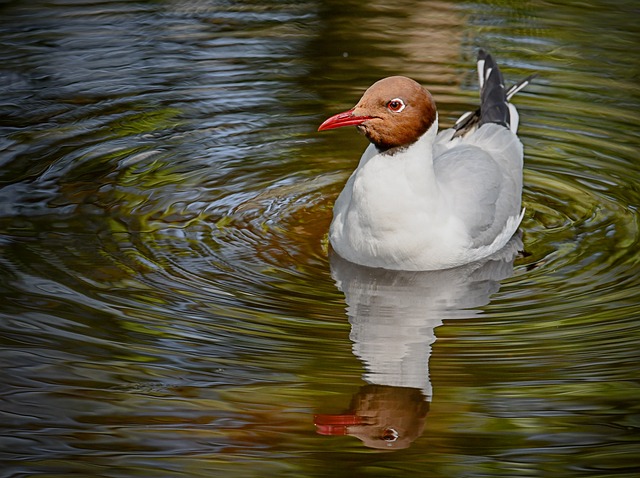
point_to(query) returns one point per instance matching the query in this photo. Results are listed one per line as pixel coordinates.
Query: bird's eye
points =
(390, 435)
(396, 105)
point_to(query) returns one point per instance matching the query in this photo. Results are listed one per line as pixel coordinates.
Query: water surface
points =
(170, 308)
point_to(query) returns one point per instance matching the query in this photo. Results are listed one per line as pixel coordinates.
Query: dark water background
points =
(167, 304)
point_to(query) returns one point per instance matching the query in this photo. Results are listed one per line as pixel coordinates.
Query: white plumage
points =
(432, 201)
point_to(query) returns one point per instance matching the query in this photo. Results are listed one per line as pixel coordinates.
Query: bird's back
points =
(479, 162)
(481, 177)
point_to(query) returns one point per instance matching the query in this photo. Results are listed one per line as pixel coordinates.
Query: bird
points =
(420, 199)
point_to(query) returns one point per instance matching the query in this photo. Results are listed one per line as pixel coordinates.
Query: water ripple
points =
(168, 295)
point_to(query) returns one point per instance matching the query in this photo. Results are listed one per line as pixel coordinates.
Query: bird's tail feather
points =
(494, 99)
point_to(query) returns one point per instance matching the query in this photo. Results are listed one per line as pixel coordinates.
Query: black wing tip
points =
(487, 58)
(522, 84)
(494, 98)
(494, 106)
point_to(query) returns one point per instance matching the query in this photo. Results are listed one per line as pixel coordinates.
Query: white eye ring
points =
(390, 435)
(396, 105)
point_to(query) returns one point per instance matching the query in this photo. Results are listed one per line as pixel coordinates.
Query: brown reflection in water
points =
(383, 417)
(421, 41)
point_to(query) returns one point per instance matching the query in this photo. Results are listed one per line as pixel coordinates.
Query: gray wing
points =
(479, 162)
(481, 174)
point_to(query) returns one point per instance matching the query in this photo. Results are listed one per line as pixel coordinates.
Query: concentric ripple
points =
(169, 302)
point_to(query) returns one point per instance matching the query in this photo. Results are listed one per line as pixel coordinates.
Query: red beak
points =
(343, 119)
(335, 424)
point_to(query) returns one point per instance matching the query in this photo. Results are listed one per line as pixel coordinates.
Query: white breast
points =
(396, 213)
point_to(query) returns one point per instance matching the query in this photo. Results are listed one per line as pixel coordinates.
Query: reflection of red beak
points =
(343, 119)
(335, 424)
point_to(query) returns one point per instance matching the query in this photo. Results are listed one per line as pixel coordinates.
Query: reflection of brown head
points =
(383, 417)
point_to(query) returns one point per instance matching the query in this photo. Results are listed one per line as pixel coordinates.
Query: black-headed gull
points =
(423, 200)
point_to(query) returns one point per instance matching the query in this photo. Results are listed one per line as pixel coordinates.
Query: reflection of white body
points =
(393, 314)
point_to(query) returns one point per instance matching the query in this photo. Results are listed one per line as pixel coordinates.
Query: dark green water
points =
(167, 304)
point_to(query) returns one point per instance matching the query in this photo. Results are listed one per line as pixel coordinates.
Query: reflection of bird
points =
(419, 200)
(393, 315)
(382, 417)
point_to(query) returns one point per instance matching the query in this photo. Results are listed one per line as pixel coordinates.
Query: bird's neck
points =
(416, 159)
(422, 144)
(408, 171)
(421, 150)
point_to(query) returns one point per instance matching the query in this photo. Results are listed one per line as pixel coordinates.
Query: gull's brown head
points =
(393, 113)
